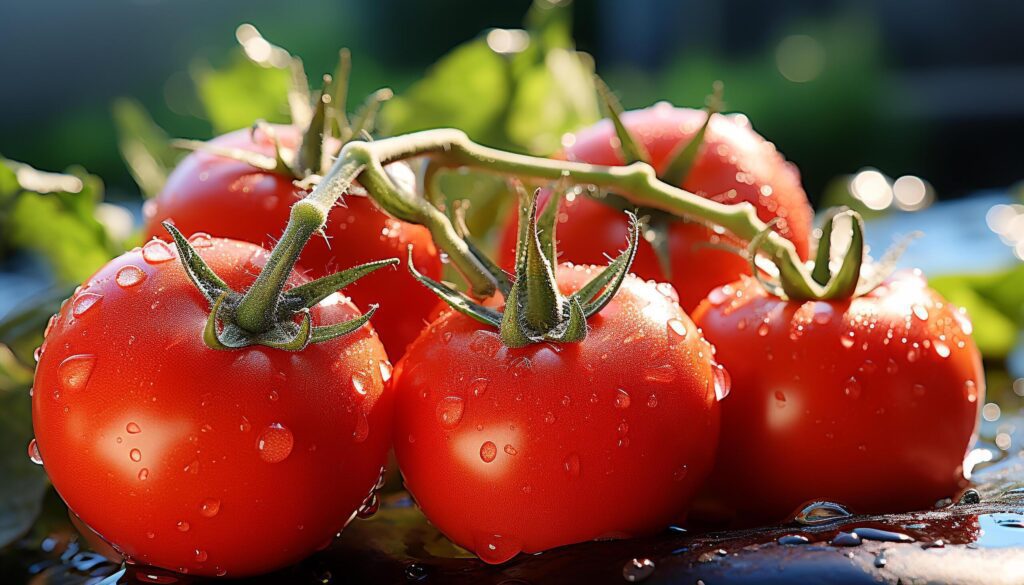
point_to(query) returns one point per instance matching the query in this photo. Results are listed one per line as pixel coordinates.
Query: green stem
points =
(452, 148)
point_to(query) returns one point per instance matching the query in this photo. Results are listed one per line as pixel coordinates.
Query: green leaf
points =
(235, 96)
(22, 484)
(989, 302)
(144, 146)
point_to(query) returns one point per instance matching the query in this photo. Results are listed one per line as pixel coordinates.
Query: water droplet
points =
(852, 388)
(275, 443)
(663, 373)
(33, 452)
(156, 251)
(488, 451)
(637, 570)
(143, 474)
(495, 549)
(129, 276)
(245, 426)
(478, 387)
(273, 396)
(941, 349)
(415, 572)
(965, 322)
(450, 410)
(369, 506)
(971, 390)
(621, 399)
(867, 533)
(822, 313)
(891, 367)
(791, 539)
(721, 381)
(763, 328)
(209, 508)
(74, 372)
(201, 240)
(681, 472)
(913, 353)
(780, 398)
(510, 450)
(719, 296)
(572, 464)
(192, 467)
(652, 400)
(846, 539)
(920, 312)
(385, 370)
(135, 455)
(183, 526)
(359, 383)
(847, 340)
(970, 496)
(133, 428)
(820, 513)
(485, 342)
(549, 417)
(201, 556)
(362, 430)
(676, 330)
(84, 302)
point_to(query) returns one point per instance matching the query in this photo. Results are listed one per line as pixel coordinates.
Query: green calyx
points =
(839, 271)
(680, 163)
(535, 308)
(285, 321)
(324, 118)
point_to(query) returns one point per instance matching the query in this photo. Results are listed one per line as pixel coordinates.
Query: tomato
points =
(197, 460)
(871, 402)
(521, 450)
(229, 198)
(734, 164)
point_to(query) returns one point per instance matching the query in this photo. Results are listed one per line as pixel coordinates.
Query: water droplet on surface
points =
(876, 534)
(201, 240)
(135, 455)
(129, 276)
(74, 372)
(791, 539)
(360, 383)
(846, 539)
(369, 506)
(572, 464)
(386, 370)
(33, 452)
(763, 328)
(820, 513)
(275, 443)
(156, 252)
(891, 367)
(852, 388)
(495, 549)
(681, 472)
(510, 450)
(485, 342)
(245, 426)
(676, 331)
(362, 430)
(183, 526)
(652, 400)
(971, 390)
(920, 312)
(478, 387)
(721, 381)
(450, 410)
(209, 508)
(847, 340)
(663, 373)
(201, 556)
(133, 428)
(488, 451)
(84, 302)
(637, 570)
(941, 349)
(621, 399)
(415, 572)
(971, 496)
(143, 474)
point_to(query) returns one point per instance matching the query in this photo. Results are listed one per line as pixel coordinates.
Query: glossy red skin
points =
(578, 465)
(228, 198)
(731, 151)
(879, 426)
(200, 414)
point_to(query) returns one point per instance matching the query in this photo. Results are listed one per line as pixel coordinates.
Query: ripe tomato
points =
(870, 402)
(197, 460)
(521, 450)
(229, 198)
(735, 164)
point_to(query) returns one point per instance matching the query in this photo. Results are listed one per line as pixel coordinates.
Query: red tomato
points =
(197, 460)
(521, 450)
(229, 198)
(870, 402)
(735, 164)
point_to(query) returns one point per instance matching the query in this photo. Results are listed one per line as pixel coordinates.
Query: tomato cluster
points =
(575, 405)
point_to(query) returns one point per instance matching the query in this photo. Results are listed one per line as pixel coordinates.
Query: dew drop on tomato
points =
(275, 443)
(495, 549)
(84, 302)
(362, 429)
(852, 388)
(941, 349)
(721, 380)
(449, 411)
(143, 474)
(660, 373)
(135, 455)
(488, 451)
(622, 400)
(385, 370)
(183, 526)
(572, 464)
(201, 240)
(129, 276)
(157, 252)
(676, 331)
(359, 383)
(201, 556)
(209, 508)
(74, 372)
(33, 452)
(133, 428)
(478, 387)
(971, 389)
